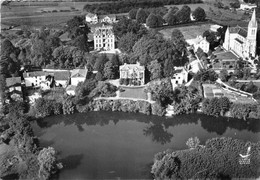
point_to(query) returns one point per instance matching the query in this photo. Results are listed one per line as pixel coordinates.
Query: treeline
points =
(218, 159)
(220, 106)
(28, 160)
(126, 6)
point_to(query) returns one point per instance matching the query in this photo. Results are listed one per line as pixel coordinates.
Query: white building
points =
(91, 18)
(215, 27)
(180, 77)
(78, 75)
(199, 42)
(242, 41)
(104, 38)
(34, 79)
(245, 6)
(133, 72)
(107, 18)
(70, 90)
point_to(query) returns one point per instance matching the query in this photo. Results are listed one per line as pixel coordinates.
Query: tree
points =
(199, 14)
(2, 88)
(127, 41)
(168, 69)
(179, 41)
(170, 17)
(78, 31)
(183, 14)
(210, 37)
(223, 75)
(141, 16)
(193, 142)
(152, 21)
(47, 162)
(155, 69)
(125, 25)
(109, 70)
(132, 13)
(224, 105)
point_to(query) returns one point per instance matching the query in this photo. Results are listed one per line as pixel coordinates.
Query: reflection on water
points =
(111, 145)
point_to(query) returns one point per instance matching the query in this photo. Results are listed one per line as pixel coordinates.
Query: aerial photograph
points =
(129, 89)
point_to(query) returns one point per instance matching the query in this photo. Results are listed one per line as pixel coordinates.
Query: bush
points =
(158, 110)
(68, 105)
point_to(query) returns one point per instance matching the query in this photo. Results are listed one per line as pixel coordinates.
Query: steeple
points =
(253, 21)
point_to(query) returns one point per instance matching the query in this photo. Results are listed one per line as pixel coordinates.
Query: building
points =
(91, 18)
(104, 38)
(200, 42)
(215, 27)
(180, 77)
(61, 78)
(247, 6)
(34, 79)
(242, 41)
(133, 72)
(78, 75)
(70, 90)
(108, 18)
(14, 88)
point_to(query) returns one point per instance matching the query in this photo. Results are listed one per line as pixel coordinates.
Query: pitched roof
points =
(103, 29)
(131, 67)
(110, 16)
(79, 73)
(33, 74)
(71, 88)
(239, 30)
(61, 75)
(13, 81)
(90, 15)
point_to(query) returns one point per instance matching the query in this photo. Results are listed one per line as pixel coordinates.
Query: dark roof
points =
(238, 40)
(33, 74)
(61, 75)
(241, 31)
(13, 81)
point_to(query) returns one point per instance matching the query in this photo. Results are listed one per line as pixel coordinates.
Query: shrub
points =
(158, 110)
(68, 105)
(43, 107)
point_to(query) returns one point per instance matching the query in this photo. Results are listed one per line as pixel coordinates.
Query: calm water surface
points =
(115, 145)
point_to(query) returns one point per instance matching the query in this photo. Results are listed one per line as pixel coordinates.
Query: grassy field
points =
(189, 32)
(133, 92)
(40, 13)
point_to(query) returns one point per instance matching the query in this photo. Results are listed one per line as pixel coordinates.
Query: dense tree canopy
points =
(154, 21)
(127, 41)
(199, 14)
(141, 15)
(183, 14)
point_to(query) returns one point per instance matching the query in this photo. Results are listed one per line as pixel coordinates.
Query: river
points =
(116, 145)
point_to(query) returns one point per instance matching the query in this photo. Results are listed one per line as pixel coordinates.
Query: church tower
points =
(250, 48)
(226, 43)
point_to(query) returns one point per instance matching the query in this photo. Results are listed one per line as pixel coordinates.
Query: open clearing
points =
(189, 32)
(133, 92)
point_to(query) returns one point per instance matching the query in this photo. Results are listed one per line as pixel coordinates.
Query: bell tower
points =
(251, 36)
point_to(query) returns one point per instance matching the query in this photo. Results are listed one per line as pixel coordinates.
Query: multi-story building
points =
(104, 38)
(242, 41)
(133, 72)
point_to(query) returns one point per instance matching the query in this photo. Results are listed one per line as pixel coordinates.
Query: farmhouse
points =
(91, 18)
(104, 38)
(14, 88)
(242, 41)
(133, 72)
(34, 79)
(199, 42)
(180, 77)
(78, 75)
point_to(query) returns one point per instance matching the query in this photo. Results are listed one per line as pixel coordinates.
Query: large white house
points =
(78, 75)
(199, 42)
(242, 41)
(133, 72)
(245, 6)
(180, 77)
(104, 38)
(108, 18)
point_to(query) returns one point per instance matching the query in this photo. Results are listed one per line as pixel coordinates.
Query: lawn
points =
(189, 32)
(133, 92)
